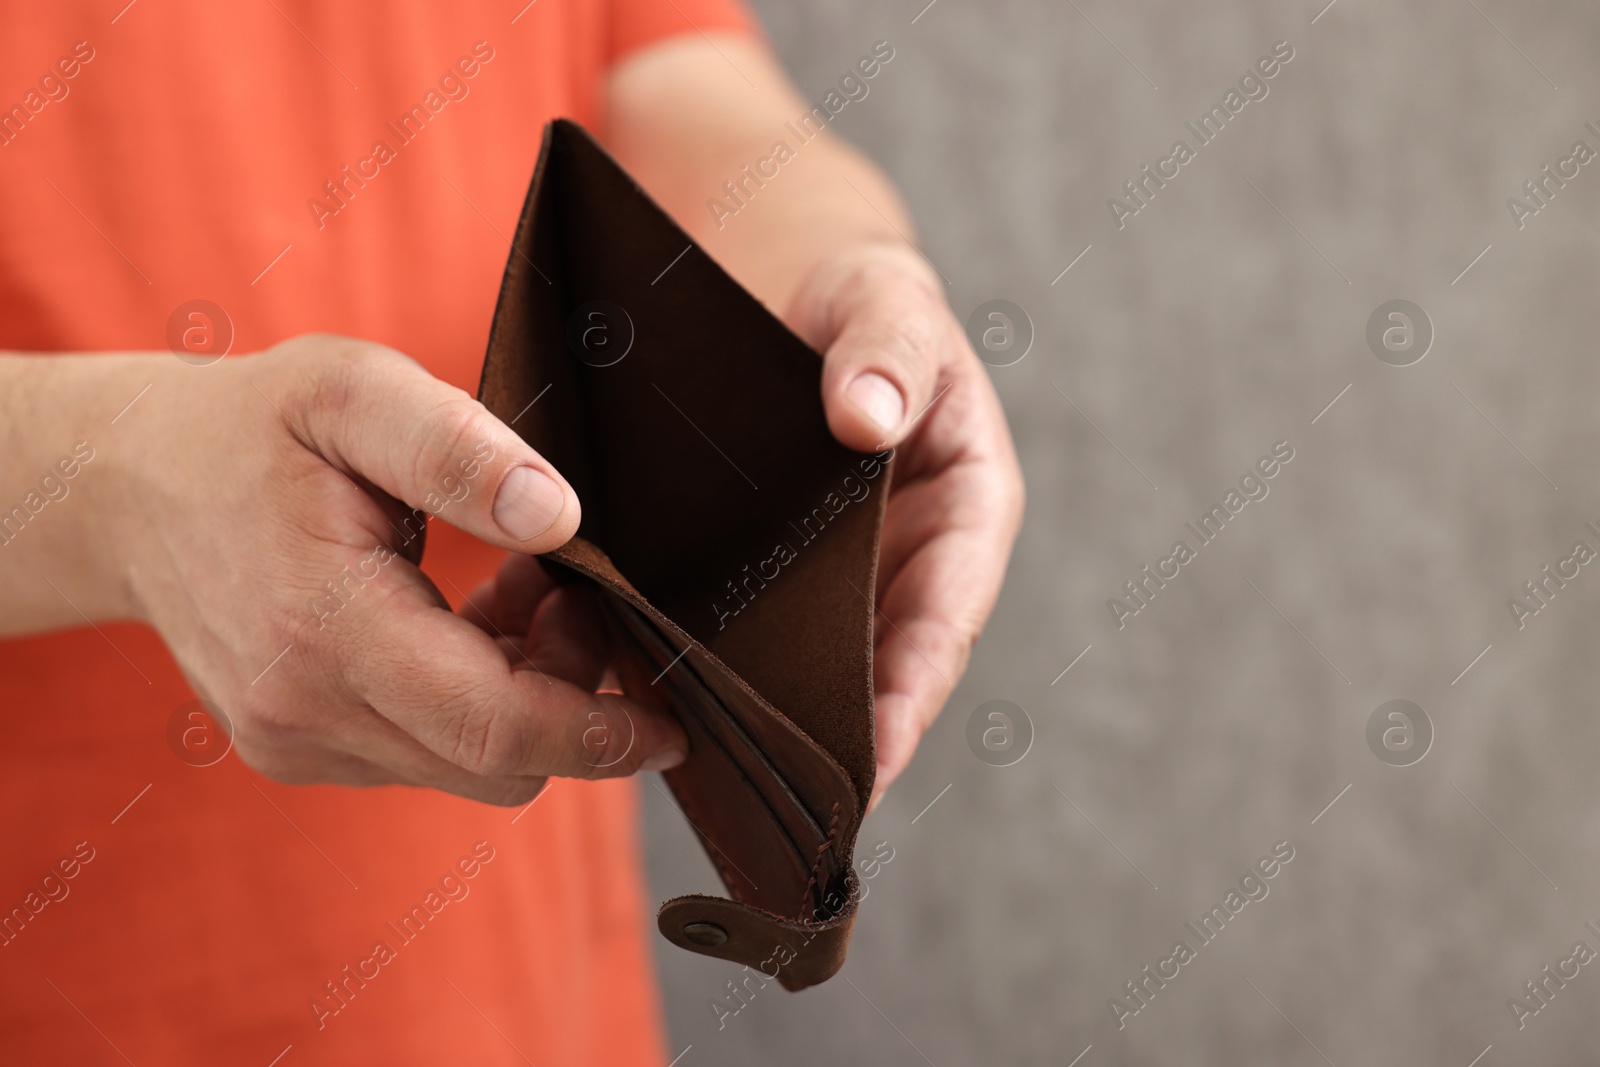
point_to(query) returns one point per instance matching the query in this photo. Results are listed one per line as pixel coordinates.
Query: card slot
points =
(788, 816)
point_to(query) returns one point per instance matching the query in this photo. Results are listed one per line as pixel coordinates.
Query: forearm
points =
(684, 120)
(58, 452)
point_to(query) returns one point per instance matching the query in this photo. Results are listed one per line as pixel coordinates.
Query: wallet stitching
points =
(822, 849)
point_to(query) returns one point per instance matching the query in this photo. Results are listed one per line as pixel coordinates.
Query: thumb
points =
(375, 412)
(878, 318)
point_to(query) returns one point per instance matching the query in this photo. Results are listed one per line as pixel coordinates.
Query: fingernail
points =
(664, 760)
(529, 503)
(878, 398)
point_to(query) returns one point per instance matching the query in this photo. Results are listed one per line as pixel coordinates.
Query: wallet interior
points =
(734, 541)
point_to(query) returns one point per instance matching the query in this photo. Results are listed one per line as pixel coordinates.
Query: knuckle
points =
(906, 335)
(890, 270)
(447, 438)
(276, 729)
(898, 348)
(484, 743)
(337, 370)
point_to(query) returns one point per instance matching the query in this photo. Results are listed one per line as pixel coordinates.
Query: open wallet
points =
(734, 542)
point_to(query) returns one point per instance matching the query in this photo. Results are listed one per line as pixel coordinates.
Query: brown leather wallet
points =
(733, 540)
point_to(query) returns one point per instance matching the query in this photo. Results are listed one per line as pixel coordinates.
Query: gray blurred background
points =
(1225, 718)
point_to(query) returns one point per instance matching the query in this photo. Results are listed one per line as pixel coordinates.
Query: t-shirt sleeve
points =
(638, 23)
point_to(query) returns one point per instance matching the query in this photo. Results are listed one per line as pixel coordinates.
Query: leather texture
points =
(733, 540)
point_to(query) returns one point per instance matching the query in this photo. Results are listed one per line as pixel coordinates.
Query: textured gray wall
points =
(1225, 718)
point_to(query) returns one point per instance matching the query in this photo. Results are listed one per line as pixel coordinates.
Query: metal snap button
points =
(707, 934)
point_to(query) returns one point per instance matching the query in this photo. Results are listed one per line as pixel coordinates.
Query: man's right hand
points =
(234, 495)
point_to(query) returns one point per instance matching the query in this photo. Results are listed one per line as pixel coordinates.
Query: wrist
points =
(60, 562)
(119, 455)
(160, 421)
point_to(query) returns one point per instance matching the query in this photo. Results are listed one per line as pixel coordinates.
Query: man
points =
(339, 183)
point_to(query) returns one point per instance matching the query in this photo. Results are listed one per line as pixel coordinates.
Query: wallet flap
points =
(797, 953)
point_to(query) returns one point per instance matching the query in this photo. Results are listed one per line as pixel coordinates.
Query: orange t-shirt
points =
(168, 151)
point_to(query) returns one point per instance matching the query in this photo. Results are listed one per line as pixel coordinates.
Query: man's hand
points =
(260, 513)
(898, 371)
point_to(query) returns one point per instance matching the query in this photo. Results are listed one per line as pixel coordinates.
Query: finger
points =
(931, 613)
(946, 542)
(478, 608)
(375, 752)
(915, 666)
(405, 761)
(567, 637)
(504, 606)
(535, 620)
(446, 683)
(374, 412)
(883, 331)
